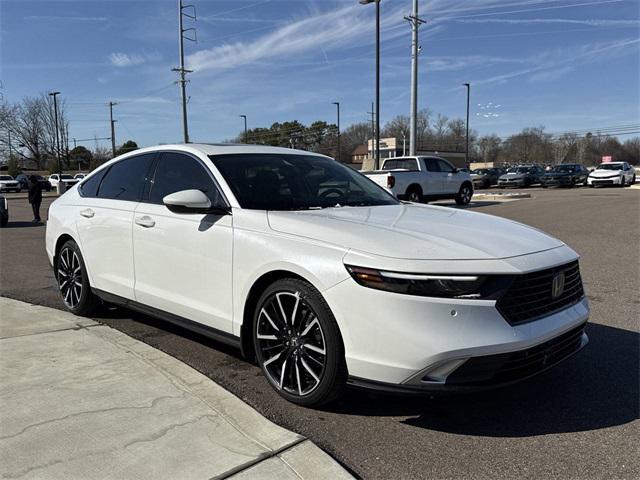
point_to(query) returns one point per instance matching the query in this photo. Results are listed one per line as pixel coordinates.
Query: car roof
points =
(223, 149)
(612, 163)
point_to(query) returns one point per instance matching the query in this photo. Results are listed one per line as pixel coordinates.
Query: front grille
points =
(529, 297)
(509, 367)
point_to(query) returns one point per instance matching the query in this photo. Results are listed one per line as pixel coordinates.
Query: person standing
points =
(35, 197)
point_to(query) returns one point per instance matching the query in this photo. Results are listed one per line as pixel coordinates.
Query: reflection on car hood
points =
(605, 173)
(513, 176)
(415, 232)
(558, 174)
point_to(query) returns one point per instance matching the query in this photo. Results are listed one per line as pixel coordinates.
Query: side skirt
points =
(210, 332)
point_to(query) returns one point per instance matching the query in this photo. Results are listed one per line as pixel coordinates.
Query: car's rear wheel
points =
(298, 343)
(73, 281)
(414, 194)
(464, 194)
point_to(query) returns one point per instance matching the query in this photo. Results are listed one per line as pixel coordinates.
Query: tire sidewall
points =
(334, 377)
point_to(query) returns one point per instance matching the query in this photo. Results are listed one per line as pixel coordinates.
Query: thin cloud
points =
(324, 31)
(524, 21)
(59, 18)
(120, 59)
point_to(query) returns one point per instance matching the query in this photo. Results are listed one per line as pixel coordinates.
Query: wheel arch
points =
(251, 300)
(414, 186)
(60, 241)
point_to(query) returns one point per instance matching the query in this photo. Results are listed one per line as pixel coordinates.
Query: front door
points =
(183, 260)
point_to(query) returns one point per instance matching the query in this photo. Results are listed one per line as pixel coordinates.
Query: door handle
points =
(87, 212)
(145, 221)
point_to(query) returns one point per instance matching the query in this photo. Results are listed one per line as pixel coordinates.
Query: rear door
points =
(451, 179)
(431, 178)
(104, 223)
(183, 260)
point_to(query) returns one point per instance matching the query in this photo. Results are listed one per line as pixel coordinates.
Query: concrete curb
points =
(500, 196)
(82, 400)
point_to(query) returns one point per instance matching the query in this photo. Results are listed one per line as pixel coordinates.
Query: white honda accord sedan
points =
(316, 272)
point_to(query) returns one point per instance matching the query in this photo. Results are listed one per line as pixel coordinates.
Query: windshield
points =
(610, 166)
(6, 177)
(480, 171)
(66, 177)
(297, 182)
(564, 168)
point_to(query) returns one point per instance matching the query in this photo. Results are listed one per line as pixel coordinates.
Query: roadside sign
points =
(607, 158)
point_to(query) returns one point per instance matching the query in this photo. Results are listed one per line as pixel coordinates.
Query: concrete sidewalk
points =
(80, 400)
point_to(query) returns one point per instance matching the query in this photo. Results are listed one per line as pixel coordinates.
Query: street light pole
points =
(468, 85)
(55, 113)
(337, 104)
(377, 129)
(415, 22)
(246, 138)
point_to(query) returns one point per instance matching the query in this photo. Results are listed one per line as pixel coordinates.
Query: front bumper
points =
(512, 183)
(398, 342)
(595, 181)
(559, 181)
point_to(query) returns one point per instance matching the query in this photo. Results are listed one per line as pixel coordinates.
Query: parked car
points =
(68, 180)
(486, 177)
(612, 173)
(79, 176)
(318, 273)
(418, 179)
(567, 175)
(9, 184)
(24, 182)
(4, 212)
(521, 176)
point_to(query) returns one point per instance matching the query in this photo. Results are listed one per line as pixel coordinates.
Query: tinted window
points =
(125, 179)
(89, 188)
(176, 172)
(445, 166)
(432, 164)
(297, 182)
(409, 164)
(390, 165)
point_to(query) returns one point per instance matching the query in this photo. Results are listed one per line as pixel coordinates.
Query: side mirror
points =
(193, 201)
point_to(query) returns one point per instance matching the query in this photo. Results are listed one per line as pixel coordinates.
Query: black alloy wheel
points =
(73, 281)
(464, 194)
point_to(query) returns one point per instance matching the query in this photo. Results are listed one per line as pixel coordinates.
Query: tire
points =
(311, 343)
(414, 194)
(4, 220)
(464, 195)
(623, 182)
(73, 281)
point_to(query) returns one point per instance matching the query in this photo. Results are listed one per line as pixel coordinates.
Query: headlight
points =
(486, 287)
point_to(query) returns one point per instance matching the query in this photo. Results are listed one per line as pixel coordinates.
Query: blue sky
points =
(567, 65)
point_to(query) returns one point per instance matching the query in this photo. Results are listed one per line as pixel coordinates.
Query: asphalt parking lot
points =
(579, 420)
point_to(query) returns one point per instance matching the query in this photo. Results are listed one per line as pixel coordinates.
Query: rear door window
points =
(125, 179)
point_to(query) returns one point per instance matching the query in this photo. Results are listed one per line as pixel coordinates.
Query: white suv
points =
(319, 274)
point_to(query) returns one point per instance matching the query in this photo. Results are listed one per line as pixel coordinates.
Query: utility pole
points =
(377, 127)
(337, 104)
(55, 113)
(468, 85)
(415, 22)
(113, 128)
(181, 70)
(246, 137)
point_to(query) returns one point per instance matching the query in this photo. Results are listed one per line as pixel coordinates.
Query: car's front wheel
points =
(73, 281)
(298, 344)
(464, 194)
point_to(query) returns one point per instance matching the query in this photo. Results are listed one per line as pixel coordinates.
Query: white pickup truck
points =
(419, 179)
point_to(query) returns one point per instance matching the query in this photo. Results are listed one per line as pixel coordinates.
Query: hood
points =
(605, 173)
(513, 175)
(558, 174)
(415, 232)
